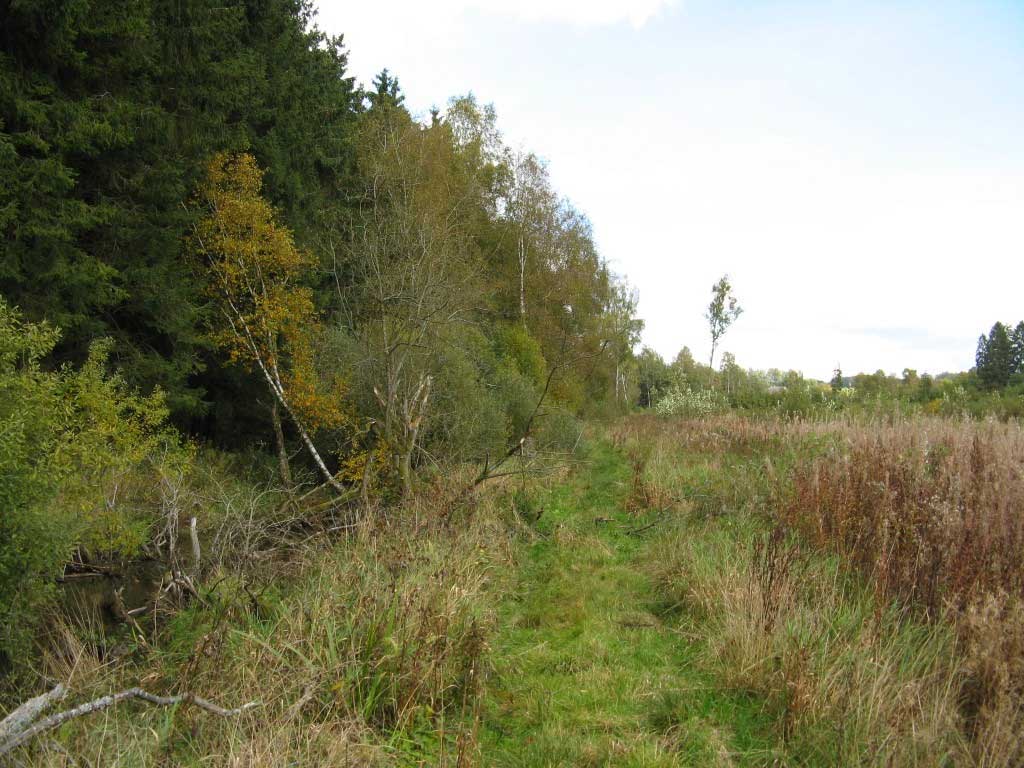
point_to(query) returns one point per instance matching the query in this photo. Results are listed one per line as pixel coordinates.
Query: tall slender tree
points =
(1018, 348)
(722, 313)
(266, 316)
(415, 274)
(995, 358)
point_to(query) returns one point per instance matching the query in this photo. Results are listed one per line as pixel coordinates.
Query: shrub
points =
(515, 343)
(72, 447)
(683, 401)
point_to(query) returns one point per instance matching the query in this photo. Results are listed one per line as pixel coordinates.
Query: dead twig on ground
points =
(23, 725)
(642, 528)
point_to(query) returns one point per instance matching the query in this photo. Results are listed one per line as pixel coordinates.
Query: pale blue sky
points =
(856, 167)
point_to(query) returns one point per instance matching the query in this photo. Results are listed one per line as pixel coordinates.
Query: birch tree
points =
(530, 207)
(722, 313)
(254, 274)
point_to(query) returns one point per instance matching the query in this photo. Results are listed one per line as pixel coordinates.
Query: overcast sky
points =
(856, 167)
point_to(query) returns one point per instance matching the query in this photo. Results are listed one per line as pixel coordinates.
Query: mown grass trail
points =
(587, 673)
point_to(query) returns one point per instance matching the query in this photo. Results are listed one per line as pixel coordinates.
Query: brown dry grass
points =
(366, 651)
(932, 512)
(929, 513)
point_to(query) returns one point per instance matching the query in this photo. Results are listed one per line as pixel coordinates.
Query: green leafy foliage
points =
(71, 447)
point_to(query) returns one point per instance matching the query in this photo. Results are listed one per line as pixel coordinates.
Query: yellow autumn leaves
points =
(256, 279)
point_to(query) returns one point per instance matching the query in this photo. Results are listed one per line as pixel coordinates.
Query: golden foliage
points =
(253, 264)
(255, 277)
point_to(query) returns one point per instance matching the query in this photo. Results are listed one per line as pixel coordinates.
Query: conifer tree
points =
(108, 111)
(386, 91)
(981, 358)
(995, 357)
(1018, 348)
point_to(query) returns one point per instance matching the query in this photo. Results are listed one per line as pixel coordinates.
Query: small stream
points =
(90, 595)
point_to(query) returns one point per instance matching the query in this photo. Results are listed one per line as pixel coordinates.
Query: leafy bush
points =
(516, 344)
(467, 417)
(71, 449)
(33, 538)
(558, 430)
(683, 401)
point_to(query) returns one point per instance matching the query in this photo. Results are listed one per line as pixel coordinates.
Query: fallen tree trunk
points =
(21, 726)
(22, 717)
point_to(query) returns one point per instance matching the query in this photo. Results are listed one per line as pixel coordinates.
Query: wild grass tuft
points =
(365, 651)
(873, 595)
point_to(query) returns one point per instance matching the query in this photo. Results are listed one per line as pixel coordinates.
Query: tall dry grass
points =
(841, 683)
(928, 512)
(363, 651)
(932, 512)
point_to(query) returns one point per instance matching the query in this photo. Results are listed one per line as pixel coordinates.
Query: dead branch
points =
(27, 713)
(196, 552)
(123, 614)
(489, 471)
(18, 728)
(642, 528)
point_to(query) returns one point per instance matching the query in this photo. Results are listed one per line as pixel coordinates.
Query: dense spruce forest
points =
(111, 115)
(326, 438)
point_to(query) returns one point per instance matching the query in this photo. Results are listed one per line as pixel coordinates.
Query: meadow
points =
(727, 590)
(328, 435)
(863, 575)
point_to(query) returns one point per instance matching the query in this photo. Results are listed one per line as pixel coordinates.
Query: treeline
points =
(110, 114)
(110, 111)
(686, 387)
(207, 225)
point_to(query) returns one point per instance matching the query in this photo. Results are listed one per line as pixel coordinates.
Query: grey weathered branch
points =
(20, 727)
(196, 551)
(27, 713)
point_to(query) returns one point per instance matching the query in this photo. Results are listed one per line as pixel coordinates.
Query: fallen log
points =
(21, 726)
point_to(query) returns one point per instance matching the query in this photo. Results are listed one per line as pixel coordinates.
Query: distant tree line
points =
(995, 386)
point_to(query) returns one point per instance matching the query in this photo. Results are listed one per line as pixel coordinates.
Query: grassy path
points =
(587, 672)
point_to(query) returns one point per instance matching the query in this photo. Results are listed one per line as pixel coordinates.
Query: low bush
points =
(687, 402)
(80, 460)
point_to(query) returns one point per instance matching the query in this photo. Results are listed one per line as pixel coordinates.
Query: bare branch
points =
(24, 715)
(26, 732)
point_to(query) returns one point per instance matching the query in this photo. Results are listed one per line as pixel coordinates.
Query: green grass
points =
(842, 678)
(591, 636)
(588, 669)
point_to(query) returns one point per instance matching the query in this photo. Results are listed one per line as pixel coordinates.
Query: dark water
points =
(91, 596)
